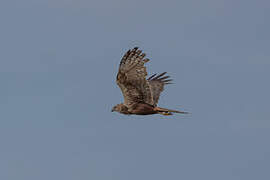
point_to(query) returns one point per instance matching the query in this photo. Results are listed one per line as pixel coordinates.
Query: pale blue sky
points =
(58, 63)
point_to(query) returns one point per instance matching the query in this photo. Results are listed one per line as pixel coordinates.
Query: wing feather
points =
(131, 78)
(157, 84)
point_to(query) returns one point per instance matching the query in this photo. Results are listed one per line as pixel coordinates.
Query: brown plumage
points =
(141, 95)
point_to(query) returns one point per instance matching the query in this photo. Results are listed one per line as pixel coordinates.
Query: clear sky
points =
(58, 63)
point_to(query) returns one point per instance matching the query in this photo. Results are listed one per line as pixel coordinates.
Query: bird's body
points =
(138, 108)
(141, 95)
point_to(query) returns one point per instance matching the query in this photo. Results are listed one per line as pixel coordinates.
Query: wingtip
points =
(152, 76)
(160, 75)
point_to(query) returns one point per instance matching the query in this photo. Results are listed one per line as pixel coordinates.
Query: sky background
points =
(58, 64)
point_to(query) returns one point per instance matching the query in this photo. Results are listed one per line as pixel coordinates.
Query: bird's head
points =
(121, 108)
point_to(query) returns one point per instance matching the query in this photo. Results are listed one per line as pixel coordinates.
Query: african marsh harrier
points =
(140, 94)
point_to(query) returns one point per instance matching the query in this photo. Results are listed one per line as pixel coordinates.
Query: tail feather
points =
(165, 111)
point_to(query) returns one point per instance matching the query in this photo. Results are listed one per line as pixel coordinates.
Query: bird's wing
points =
(157, 85)
(131, 78)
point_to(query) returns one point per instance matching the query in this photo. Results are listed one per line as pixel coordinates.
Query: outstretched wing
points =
(157, 85)
(131, 78)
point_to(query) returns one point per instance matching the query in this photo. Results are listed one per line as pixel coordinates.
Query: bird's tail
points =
(165, 111)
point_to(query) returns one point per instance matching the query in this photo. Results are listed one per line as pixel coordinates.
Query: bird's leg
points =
(165, 113)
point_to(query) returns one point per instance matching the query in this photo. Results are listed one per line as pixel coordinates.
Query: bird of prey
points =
(141, 95)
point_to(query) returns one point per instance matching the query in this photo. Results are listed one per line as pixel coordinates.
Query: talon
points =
(166, 113)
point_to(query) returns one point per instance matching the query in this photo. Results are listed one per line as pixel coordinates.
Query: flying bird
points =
(141, 95)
